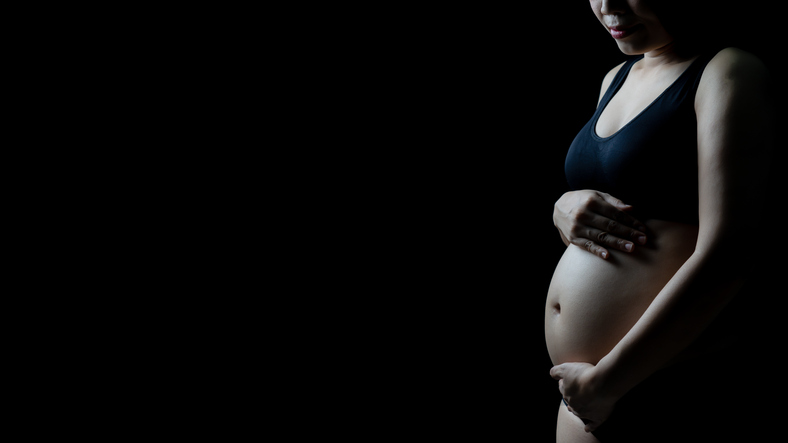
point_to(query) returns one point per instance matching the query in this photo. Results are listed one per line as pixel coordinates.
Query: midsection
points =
(592, 303)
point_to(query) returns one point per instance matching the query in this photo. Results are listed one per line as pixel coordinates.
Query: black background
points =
(513, 95)
(467, 116)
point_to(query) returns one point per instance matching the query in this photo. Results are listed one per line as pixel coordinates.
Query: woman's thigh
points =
(569, 428)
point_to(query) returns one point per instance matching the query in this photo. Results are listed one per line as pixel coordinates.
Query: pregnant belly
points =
(592, 303)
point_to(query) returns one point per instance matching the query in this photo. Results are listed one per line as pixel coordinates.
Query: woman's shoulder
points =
(732, 73)
(734, 64)
(609, 79)
(612, 73)
(735, 97)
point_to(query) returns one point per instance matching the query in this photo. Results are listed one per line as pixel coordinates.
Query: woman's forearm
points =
(679, 314)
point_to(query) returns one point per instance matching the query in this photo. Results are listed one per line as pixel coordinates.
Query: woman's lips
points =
(619, 32)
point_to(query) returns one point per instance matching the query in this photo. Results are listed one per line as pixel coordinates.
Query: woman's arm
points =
(734, 126)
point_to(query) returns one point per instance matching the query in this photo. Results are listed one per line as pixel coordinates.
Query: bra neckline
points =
(602, 107)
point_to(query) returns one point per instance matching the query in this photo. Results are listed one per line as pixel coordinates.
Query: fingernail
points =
(642, 239)
(604, 254)
(628, 246)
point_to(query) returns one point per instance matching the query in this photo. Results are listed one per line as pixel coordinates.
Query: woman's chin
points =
(630, 49)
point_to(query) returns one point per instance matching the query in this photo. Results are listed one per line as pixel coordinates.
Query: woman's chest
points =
(628, 103)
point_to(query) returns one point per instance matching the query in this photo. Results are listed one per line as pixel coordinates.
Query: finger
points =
(557, 372)
(627, 222)
(589, 425)
(590, 246)
(620, 222)
(610, 240)
(615, 231)
(614, 201)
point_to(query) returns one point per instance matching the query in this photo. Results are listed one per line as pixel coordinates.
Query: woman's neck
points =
(664, 56)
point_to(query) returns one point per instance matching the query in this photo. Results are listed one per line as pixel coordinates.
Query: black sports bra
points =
(652, 162)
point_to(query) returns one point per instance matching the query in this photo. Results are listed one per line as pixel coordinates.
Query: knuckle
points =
(576, 212)
(612, 225)
(587, 201)
(589, 245)
(602, 236)
(588, 198)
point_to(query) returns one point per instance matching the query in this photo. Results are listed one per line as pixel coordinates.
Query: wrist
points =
(608, 381)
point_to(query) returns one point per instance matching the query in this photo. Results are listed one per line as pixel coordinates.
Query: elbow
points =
(730, 257)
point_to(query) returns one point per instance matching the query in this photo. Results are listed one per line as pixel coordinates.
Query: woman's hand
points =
(592, 219)
(584, 393)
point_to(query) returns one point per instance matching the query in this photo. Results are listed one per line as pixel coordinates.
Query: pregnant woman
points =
(664, 175)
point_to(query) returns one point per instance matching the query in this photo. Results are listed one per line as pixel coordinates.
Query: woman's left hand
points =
(584, 392)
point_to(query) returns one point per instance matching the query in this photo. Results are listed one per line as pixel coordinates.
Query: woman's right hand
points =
(592, 219)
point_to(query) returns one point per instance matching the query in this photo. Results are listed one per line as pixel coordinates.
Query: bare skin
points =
(613, 319)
